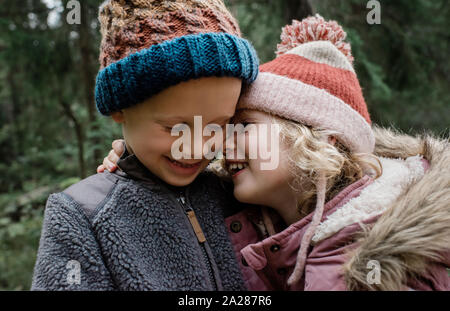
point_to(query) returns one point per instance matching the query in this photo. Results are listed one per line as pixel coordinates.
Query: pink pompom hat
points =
(312, 81)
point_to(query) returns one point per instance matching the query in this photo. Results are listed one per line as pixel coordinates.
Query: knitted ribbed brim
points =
(143, 74)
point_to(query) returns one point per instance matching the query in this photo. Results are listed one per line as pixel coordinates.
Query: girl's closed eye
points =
(244, 122)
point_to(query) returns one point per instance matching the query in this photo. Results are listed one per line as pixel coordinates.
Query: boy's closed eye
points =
(170, 127)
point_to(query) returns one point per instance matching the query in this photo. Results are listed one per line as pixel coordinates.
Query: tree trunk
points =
(11, 112)
(79, 135)
(296, 9)
(88, 76)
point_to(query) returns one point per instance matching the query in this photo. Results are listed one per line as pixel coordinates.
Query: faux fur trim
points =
(415, 229)
(398, 175)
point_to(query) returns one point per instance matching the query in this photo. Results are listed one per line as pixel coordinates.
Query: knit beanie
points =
(149, 45)
(312, 81)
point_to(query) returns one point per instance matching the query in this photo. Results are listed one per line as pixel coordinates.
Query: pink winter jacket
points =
(341, 257)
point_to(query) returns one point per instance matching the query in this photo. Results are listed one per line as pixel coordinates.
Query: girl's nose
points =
(236, 146)
(229, 145)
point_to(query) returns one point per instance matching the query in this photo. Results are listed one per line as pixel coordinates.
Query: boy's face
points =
(147, 126)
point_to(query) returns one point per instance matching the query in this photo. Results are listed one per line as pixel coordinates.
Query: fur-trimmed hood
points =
(415, 229)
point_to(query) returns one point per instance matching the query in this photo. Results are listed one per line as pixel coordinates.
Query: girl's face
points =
(252, 184)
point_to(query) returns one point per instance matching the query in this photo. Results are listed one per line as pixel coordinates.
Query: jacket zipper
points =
(189, 211)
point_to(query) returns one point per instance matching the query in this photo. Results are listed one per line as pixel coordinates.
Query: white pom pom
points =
(313, 28)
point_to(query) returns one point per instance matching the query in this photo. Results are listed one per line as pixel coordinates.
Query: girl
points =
(349, 207)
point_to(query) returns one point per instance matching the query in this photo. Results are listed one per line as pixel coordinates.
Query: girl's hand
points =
(110, 161)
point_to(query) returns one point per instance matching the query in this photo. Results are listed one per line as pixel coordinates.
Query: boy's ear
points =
(118, 116)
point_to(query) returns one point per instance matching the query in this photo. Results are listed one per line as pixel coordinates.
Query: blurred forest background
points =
(52, 136)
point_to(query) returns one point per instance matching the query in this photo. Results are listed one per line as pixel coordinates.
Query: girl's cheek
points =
(252, 144)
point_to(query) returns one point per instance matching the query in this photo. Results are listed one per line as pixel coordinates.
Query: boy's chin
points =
(179, 181)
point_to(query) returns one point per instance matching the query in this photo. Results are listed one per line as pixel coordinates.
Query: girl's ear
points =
(332, 140)
(118, 116)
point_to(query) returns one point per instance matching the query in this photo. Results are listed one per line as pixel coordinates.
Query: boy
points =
(157, 223)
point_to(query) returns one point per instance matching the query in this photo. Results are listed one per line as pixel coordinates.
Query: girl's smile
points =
(235, 168)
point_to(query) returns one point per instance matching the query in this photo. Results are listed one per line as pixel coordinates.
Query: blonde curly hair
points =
(310, 153)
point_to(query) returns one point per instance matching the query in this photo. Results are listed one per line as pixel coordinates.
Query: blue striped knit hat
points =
(150, 45)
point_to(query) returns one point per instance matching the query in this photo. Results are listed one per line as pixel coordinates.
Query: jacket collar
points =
(130, 166)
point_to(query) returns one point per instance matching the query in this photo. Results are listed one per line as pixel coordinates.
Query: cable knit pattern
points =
(136, 238)
(149, 45)
(130, 26)
(132, 38)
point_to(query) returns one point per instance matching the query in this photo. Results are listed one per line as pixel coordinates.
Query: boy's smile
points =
(147, 126)
(184, 168)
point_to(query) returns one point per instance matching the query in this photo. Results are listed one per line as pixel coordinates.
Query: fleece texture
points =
(127, 231)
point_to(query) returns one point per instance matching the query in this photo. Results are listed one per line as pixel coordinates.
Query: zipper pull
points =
(182, 200)
(196, 226)
(193, 220)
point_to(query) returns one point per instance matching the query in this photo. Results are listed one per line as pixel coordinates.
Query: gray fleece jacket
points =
(130, 231)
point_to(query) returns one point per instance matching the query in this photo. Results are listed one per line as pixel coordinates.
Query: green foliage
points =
(18, 245)
(20, 229)
(401, 63)
(260, 22)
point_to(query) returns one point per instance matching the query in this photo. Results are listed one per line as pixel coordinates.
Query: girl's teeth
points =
(237, 166)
